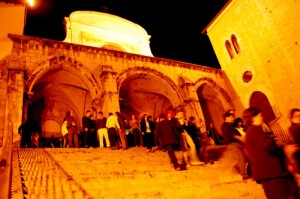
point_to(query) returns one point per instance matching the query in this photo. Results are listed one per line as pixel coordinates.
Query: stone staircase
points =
(61, 173)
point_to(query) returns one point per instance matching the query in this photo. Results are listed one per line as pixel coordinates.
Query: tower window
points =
(235, 44)
(229, 49)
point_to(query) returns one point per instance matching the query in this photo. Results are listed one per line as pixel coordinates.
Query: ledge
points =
(113, 53)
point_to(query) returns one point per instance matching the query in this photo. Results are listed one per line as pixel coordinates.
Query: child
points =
(35, 140)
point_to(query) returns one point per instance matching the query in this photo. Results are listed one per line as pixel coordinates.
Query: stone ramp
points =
(133, 173)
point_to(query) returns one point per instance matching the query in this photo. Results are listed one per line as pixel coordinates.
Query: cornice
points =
(94, 50)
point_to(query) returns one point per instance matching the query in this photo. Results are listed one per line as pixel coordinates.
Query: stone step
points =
(133, 173)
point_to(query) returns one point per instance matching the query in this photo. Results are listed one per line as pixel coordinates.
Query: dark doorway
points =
(211, 106)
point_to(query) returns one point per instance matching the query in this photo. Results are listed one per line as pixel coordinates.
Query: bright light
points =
(30, 2)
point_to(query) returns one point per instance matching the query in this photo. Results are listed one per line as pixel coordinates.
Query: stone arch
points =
(143, 70)
(214, 100)
(67, 63)
(221, 91)
(147, 84)
(50, 103)
(113, 46)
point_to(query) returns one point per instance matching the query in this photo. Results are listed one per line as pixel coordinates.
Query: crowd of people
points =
(252, 147)
(249, 141)
(115, 132)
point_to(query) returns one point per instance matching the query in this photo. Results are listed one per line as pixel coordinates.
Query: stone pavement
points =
(58, 173)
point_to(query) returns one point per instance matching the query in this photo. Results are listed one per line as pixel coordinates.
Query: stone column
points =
(3, 102)
(190, 98)
(110, 94)
(15, 94)
(26, 102)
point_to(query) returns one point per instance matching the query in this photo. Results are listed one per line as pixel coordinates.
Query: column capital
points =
(107, 70)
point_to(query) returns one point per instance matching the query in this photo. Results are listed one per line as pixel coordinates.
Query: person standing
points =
(147, 128)
(293, 154)
(72, 130)
(122, 130)
(135, 128)
(93, 130)
(213, 134)
(86, 126)
(112, 126)
(64, 132)
(194, 132)
(25, 131)
(234, 142)
(186, 142)
(35, 140)
(266, 159)
(168, 139)
(102, 130)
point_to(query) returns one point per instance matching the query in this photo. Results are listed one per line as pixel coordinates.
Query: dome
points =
(100, 29)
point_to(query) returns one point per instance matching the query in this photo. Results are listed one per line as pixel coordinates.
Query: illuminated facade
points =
(257, 45)
(45, 78)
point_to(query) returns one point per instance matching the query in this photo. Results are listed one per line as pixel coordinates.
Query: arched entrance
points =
(211, 106)
(54, 93)
(259, 100)
(146, 93)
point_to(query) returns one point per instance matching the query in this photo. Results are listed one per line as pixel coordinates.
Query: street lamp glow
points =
(30, 3)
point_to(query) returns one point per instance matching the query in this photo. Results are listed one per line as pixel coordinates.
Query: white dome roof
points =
(102, 29)
(107, 21)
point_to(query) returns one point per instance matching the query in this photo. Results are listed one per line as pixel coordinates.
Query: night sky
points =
(175, 26)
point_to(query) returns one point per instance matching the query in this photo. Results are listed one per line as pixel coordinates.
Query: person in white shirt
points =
(64, 132)
(112, 125)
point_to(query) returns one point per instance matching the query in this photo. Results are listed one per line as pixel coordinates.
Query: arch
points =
(222, 92)
(70, 65)
(235, 44)
(259, 100)
(53, 128)
(229, 49)
(113, 46)
(213, 100)
(143, 71)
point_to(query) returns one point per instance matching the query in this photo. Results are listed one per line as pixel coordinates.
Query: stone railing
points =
(5, 164)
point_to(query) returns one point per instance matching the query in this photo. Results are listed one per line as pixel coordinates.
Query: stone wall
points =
(267, 34)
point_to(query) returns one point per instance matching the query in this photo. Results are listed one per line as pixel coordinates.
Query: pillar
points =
(110, 92)
(26, 102)
(190, 99)
(15, 94)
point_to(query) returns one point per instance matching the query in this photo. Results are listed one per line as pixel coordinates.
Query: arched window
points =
(229, 49)
(235, 44)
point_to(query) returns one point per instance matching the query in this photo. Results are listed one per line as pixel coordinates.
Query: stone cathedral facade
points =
(107, 65)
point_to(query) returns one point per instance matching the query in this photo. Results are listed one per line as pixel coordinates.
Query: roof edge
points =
(204, 31)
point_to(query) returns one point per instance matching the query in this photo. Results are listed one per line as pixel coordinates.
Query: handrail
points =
(5, 164)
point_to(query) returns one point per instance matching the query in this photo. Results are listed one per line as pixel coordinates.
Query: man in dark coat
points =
(72, 130)
(168, 138)
(86, 127)
(25, 131)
